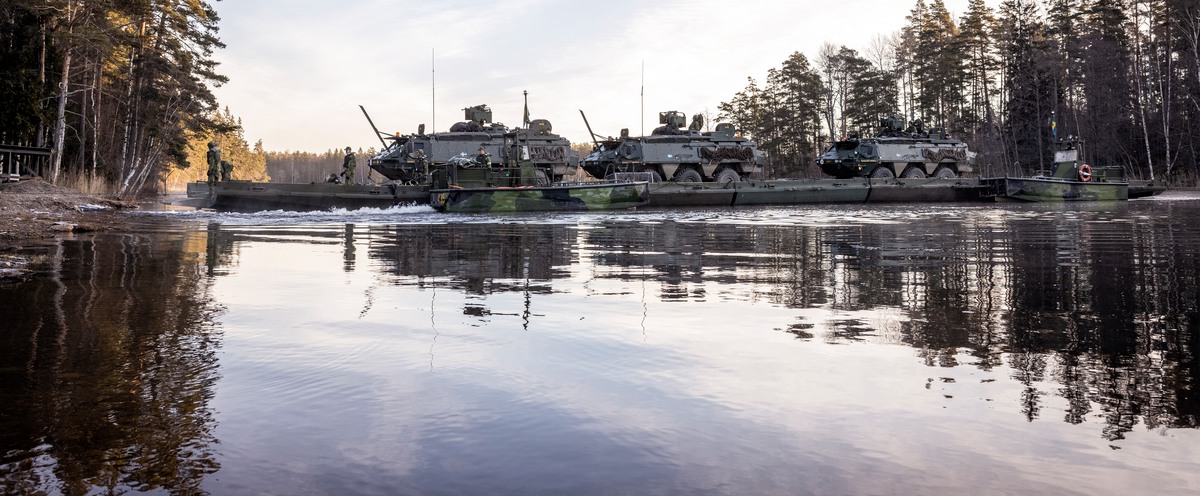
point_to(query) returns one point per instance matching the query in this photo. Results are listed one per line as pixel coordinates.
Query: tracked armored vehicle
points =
(896, 151)
(410, 158)
(677, 153)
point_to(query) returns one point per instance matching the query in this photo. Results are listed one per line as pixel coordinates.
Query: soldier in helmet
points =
(348, 164)
(483, 158)
(213, 157)
(420, 163)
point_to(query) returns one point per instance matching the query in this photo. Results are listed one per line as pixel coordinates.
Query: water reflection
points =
(652, 352)
(1088, 305)
(107, 366)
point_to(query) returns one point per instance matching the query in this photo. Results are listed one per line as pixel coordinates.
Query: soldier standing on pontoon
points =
(348, 165)
(214, 163)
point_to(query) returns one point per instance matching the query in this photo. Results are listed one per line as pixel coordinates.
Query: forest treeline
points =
(308, 167)
(1124, 75)
(120, 90)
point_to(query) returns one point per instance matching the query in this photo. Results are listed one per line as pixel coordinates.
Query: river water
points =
(904, 349)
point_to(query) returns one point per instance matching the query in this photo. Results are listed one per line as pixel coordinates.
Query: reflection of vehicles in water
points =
(410, 158)
(896, 151)
(517, 185)
(685, 155)
(1071, 180)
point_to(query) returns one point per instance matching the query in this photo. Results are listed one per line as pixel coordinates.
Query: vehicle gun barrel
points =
(372, 123)
(589, 128)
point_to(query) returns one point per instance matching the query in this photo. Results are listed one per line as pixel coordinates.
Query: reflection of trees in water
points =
(1097, 307)
(1102, 314)
(1106, 300)
(106, 370)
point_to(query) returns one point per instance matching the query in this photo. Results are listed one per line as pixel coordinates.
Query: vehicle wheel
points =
(944, 172)
(882, 173)
(913, 173)
(656, 177)
(728, 176)
(687, 176)
(540, 177)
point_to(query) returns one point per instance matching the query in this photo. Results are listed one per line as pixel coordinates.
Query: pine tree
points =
(172, 68)
(24, 85)
(1027, 98)
(980, 66)
(908, 60)
(127, 83)
(938, 69)
(798, 115)
(1105, 119)
(871, 93)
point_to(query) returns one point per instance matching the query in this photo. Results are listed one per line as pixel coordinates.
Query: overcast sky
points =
(299, 69)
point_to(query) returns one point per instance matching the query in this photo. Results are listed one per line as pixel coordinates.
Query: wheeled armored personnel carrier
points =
(896, 151)
(678, 153)
(410, 158)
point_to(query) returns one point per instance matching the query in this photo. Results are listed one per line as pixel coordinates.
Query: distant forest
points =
(307, 167)
(1124, 75)
(122, 90)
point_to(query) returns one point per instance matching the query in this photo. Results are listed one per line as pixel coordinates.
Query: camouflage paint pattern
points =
(606, 196)
(1071, 180)
(1055, 190)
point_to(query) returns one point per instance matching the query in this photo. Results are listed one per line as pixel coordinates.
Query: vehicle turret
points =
(479, 113)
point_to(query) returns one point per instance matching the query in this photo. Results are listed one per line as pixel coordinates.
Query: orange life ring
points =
(1085, 173)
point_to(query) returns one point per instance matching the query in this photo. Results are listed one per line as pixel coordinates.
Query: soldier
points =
(214, 163)
(226, 170)
(420, 163)
(483, 158)
(348, 164)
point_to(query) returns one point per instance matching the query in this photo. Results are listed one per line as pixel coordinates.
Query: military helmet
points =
(347, 149)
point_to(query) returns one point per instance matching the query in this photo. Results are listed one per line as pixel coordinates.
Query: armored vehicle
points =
(896, 151)
(410, 158)
(677, 153)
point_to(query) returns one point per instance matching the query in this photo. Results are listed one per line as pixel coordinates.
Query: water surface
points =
(913, 349)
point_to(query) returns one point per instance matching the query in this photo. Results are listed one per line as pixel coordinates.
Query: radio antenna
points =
(433, 84)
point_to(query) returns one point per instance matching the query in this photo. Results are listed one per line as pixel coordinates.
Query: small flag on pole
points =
(1053, 125)
(526, 108)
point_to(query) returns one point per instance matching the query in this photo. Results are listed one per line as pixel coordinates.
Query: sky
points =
(298, 70)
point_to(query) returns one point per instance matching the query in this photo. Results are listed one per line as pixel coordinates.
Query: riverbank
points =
(35, 209)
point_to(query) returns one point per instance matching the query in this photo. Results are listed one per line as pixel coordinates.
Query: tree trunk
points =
(60, 120)
(97, 95)
(40, 140)
(1140, 83)
(83, 123)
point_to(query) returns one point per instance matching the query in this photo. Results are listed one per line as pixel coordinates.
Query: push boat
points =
(1071, 180)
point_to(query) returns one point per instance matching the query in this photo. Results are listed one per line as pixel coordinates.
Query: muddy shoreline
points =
(34, 211)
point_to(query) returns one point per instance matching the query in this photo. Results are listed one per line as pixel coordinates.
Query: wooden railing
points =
(18, 161)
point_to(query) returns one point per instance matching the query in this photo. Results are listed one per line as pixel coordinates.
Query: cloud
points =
(299, 70)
